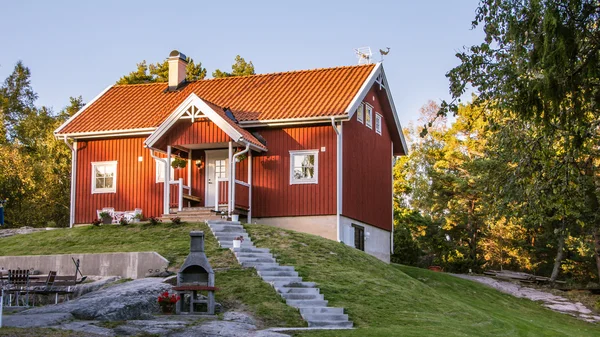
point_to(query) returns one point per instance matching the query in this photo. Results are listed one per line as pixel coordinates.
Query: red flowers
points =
(166, 298)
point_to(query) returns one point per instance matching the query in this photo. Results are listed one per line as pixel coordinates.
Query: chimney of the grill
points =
(177, 69)
(197, 242)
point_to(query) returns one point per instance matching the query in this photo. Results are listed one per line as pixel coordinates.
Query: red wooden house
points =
(308, 150)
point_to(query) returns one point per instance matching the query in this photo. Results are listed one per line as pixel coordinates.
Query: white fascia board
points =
(364, 89)
(81, 110)
(193, 99)
(107, 134)
(396, 119)
(292, 121)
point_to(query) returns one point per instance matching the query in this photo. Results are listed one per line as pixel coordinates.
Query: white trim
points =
(110, 133)
(193, 99)
(291, 121)
(73, 182)
(395, 113)
(340, 180)
(161, 162)
(364, 89)
(207, 155)
(249, 216)
(82, 109)
(235, 181)
(369, 113)
(93, 175)
(243, 183)
(315, 178)
(230, 178)
(392, 177)
(378, 117)
(167, 186)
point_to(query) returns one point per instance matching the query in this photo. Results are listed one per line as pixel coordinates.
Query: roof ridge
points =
(255, 75)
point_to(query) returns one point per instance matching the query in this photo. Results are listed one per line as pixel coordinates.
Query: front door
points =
(217, 167)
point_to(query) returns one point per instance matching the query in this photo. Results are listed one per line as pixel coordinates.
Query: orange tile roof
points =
(298, 94)
(245, 133)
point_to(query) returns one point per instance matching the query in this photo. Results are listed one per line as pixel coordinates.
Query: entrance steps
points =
(305, 296)
(192, 214)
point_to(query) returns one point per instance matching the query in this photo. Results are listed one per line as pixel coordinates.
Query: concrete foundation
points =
(129, 265)
(377, 240)
(322, 225)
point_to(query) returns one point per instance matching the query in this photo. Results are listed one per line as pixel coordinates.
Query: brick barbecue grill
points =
(196, 275)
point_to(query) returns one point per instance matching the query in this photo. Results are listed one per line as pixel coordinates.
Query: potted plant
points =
(237, 242)
(167, 302)
(106, 217)
(137, 217)
(178, 162)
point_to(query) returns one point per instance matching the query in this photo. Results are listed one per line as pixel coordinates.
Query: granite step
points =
(295, 296)
(321, 311)
(307, 303)
(278, 273)
(251, 250)
(286, 290)
(326, 317)
(281, 279)
(330, 324)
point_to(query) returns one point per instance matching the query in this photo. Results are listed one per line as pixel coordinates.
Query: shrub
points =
(154, 220)
(123, 222)
(176, 221)
(97, 222)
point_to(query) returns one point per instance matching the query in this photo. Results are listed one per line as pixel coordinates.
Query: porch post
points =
(250, 186)
(231, 180)
(168, 181)
(189, 177)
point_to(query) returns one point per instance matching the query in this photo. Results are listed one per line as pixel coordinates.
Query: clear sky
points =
(80, 47)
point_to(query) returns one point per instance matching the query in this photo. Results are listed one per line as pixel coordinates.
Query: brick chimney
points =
(177, 65)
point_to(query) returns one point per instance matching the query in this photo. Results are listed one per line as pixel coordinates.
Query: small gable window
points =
(360, 113)
(378, 123)
(104, 177)
(304, 167)
(369, 116)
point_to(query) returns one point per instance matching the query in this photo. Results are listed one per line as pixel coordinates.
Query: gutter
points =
(73, 180)
(233, 161)
(338, 132)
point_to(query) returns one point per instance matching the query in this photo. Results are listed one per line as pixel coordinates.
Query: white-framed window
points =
(378, 123)
(220, 168)
(160, 170)
(104, 177)
(304, 167)
(369, 116)
(360, 113)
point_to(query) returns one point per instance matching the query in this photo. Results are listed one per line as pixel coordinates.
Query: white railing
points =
(218, 190)
(181, 186)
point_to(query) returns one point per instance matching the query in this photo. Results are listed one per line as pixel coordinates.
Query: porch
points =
(206, 158)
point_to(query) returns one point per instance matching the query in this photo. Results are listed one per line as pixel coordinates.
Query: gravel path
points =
(553, 302)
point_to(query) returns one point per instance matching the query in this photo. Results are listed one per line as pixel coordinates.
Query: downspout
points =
(338, 132)
(233, 161)
(168, 183)
(73, 179)
(164, 161)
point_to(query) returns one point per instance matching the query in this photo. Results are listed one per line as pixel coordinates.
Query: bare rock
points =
(136, 299)
(239, 317)
(35, 321)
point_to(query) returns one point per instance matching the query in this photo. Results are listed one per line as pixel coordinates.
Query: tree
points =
(239, 68)
(540, 61)
(159, 72)
(16, 101)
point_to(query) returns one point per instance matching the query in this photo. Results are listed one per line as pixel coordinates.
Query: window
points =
(378, 123)
(104, 177)
(160, 171)
(359, 237)
(360, 112)
(304, 167)
(369, 117)
(220, 169)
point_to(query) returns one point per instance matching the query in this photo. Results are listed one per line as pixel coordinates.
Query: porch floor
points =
(192, 214)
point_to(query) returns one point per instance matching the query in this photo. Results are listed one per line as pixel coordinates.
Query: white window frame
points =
(113, 189)
(378, 122)
(159, 164)
(369, 116)
(360, 113)
(315, 178)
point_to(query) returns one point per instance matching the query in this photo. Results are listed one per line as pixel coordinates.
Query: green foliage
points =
(239, 68)
(159, 72)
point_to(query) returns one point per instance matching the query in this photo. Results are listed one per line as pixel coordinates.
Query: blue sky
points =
(80, 47)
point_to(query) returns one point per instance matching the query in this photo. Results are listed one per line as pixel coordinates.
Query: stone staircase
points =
(192, 214)
(299, 294)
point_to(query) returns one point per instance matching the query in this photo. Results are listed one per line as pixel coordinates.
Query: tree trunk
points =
(559, 253)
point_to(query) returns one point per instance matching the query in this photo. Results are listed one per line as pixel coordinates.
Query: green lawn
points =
(381, 299)
(239, 288)
(393, 300)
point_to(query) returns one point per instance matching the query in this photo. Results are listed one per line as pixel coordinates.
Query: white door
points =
(216, 168)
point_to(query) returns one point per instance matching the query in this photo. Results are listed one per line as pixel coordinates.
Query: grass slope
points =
(392, 300)
(239, 288)
(381, 299)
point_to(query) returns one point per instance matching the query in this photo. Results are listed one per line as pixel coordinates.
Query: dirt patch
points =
(551, 301)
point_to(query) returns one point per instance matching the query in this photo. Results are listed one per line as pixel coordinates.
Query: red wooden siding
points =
(272, 194)
(223, 192)
(185, 132)
(198, 174)
(241, 196)
(367, 177)
(136, 181)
